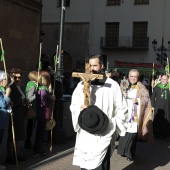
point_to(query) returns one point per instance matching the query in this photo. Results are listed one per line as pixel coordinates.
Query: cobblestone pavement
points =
(148, 157)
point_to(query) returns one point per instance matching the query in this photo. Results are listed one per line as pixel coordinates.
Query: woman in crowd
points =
(5, 107)
(30, 91)
(44, 106)
(19, 106)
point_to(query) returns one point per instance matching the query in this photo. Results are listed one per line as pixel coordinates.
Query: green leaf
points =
(167, 69)
(55, 60)
(153, 72)
(2, 55)
(40, 66)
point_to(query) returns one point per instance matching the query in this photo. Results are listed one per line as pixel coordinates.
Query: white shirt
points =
(90, 149)
(132, 126)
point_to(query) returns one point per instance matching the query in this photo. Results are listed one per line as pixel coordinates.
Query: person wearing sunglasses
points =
(19, 106)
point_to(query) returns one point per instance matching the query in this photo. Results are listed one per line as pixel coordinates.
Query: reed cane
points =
(11, 115)
(52, 113)
(39, 62)
(3, 57)
(168, 72)
(13, 136)
(153, 73)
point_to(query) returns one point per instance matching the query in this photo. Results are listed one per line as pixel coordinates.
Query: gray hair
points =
(3, 76)
(134, 70)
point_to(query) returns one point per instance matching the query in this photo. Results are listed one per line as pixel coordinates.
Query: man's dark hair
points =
(15, 71)
(96, 56)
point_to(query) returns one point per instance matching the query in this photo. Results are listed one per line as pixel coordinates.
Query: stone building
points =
(20, 32)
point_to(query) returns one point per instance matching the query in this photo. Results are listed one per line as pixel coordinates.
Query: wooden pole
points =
(39, 61)
(168, 72)
(13, 136)
(55, 68)
(152, 77)
(11, 115)
(107, 66)
(3, 58)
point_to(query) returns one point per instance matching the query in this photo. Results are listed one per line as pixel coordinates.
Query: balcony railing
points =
(125, 42)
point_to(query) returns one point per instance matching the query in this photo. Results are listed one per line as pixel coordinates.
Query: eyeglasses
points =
(15, 77)
(133, 77)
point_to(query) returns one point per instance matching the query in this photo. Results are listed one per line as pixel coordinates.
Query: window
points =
(140, 34)
(113, 2)
(112, 34)
(66, 3)
(141, 2)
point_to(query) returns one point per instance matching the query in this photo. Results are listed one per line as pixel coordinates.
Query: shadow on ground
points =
(149, 157)
(55, 154)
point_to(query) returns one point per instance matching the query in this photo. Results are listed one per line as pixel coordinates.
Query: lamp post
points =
(60, 55)
(42, 34)
(161, 51)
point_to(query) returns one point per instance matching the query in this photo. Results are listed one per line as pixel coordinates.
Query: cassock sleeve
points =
(120, 112)
(76, 102)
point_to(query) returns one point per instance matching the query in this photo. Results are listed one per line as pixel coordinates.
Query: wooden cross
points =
(87, 77)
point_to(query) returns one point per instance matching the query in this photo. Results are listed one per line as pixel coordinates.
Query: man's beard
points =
(96, 72)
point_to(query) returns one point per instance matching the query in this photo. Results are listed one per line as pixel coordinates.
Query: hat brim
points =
(102, 125)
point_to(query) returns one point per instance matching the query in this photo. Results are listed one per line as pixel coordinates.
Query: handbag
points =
(50, 124)
(30, 112)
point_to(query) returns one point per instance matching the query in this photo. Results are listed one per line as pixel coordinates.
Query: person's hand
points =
(125, 94)
(82, 107)
(134, 100)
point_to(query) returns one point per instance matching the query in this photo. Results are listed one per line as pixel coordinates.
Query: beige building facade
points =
(118, 29)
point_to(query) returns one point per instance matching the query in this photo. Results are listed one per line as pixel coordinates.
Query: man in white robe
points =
(92, 151)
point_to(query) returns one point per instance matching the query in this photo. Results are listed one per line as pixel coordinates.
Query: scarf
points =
(2, 89)
(43, 88)
(145, 129)
(165, 88)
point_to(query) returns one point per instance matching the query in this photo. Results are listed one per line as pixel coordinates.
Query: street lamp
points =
(161, 51)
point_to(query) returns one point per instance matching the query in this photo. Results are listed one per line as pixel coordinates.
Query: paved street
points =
(148, 157)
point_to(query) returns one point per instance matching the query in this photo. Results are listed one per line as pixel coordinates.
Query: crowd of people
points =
(14, 103)
(122, 109)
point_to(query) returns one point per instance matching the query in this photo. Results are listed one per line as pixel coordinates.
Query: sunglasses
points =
(15, 77)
